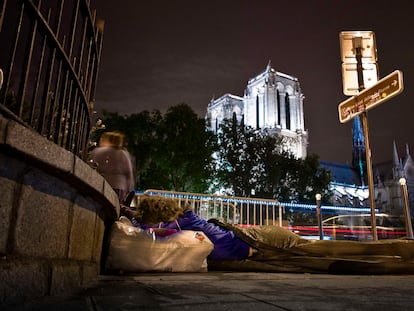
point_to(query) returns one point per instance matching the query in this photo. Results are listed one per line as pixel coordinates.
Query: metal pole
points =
(357, 42)
(280, 216)
(318, 213)
(407, 215)
(364, 120)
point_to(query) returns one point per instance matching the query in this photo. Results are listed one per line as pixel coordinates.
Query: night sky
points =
(160, 53)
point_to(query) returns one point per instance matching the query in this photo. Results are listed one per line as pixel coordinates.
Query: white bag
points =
(132, 249)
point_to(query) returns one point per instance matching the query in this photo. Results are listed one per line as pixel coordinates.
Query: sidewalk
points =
(239, 291)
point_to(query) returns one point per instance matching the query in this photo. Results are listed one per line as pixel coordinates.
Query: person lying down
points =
(272, 248)
(164, 216)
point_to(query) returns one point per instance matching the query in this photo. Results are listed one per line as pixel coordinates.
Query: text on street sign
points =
(383, 90)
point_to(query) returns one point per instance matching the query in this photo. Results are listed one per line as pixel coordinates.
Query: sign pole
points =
(364, 119)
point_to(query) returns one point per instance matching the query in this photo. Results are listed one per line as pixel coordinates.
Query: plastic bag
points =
(132, 249)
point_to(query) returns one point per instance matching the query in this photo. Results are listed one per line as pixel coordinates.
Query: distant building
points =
(346, 185)
(272, 100)
(349, 182)
(388, 193)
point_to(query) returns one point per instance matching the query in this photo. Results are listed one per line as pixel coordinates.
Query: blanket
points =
(280, 250)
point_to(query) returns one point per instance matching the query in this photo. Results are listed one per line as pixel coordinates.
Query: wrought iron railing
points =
(49, 54)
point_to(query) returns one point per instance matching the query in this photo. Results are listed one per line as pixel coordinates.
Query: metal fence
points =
(49, 54)
(245, 211)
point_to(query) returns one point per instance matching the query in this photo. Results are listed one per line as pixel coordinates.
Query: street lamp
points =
(407, 215)
(318, 213)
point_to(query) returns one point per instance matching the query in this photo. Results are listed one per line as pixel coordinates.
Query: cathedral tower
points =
(272, 100)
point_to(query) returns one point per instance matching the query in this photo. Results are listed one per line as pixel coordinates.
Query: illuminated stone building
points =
(349, 182)
(388, 192)
(272, 100)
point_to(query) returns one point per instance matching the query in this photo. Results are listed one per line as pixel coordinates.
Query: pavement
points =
(253, 291)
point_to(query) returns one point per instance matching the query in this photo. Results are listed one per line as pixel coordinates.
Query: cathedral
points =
(349, 182)
(273, 100)
(388, 192)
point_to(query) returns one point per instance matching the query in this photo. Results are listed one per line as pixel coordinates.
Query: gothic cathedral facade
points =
(273, 101)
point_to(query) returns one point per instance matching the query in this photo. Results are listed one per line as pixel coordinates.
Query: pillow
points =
(132, 249)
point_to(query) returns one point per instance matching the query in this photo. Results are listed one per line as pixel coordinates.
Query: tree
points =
(235, 158)
(185, 150)
(255, 163)
(172, 152)
(141, 131)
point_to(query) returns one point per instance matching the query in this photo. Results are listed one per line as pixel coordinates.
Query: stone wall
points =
(54, 212)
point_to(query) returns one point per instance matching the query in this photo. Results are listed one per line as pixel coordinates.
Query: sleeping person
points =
(160, 214)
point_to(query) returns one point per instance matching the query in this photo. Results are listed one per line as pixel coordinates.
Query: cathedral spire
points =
(269, 66)
(358, 150)
(395, 157)
(397, 165)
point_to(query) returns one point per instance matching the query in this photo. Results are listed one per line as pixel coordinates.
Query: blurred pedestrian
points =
(115, 163)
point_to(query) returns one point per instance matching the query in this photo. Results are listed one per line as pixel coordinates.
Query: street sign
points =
(358, 46)
(350, 40)
(383, 90)
(350, 77)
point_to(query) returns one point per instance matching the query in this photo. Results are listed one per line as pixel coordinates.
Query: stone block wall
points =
(54, 212)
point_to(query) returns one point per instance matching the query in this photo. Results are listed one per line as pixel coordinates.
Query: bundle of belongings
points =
(133, 249)
(139, 248)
